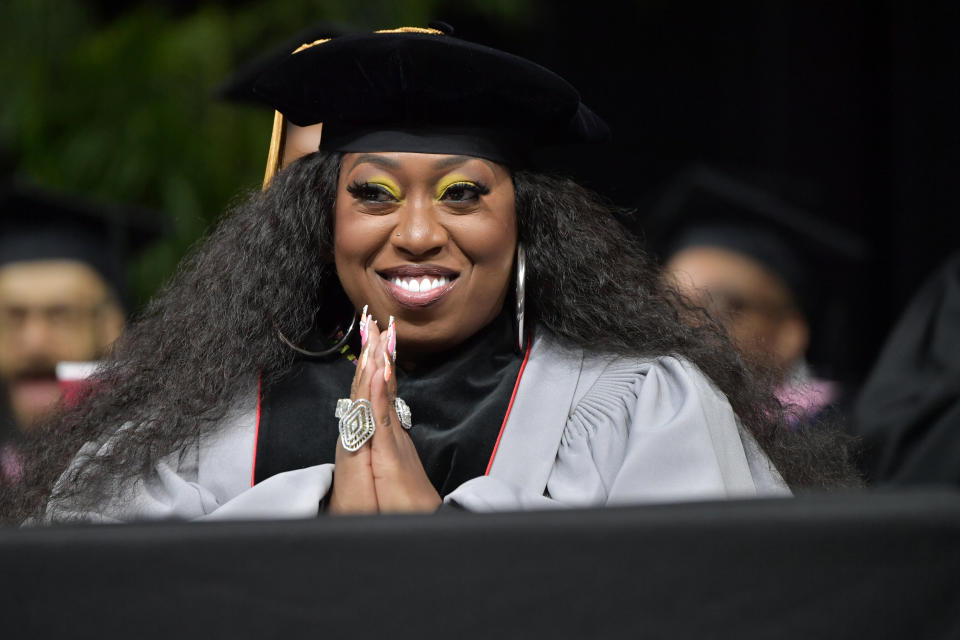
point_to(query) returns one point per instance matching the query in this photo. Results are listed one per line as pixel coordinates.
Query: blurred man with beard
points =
(61, 288)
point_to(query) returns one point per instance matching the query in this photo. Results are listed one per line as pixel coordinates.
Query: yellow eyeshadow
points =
(389, 185)
(450, 180)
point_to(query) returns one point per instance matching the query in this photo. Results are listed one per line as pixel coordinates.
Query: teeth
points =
(420, 285)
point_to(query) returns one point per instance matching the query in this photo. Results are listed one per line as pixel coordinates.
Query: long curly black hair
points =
(199, 345)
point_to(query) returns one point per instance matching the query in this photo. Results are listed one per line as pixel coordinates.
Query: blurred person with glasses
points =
(777, 276)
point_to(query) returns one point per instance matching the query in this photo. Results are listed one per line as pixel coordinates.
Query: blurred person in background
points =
(769, 270)
(61, 300)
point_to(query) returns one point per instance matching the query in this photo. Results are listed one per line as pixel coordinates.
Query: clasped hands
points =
(385, 474)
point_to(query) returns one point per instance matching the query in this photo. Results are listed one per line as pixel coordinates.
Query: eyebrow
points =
(453, 161)
(372, 158)
(439, 165)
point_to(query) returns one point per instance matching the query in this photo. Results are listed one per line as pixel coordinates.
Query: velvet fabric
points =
(412, 80)
(908, 413)
(458, 405)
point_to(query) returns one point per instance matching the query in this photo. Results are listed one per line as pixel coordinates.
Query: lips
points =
(418, 285)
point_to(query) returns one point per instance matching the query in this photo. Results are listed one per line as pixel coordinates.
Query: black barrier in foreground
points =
(853, 566)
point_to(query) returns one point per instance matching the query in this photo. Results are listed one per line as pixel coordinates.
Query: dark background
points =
(858, 99)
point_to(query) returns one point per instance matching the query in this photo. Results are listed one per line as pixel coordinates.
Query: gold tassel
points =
(275, 154)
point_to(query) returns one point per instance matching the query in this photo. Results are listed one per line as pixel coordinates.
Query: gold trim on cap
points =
(412, 30)
(310, 44)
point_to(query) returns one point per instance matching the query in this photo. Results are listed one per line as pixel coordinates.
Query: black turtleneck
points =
(458, 399)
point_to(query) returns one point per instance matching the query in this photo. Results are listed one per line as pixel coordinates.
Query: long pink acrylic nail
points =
(387, 369)
(364, 323)
(363, 359)
(392, 340)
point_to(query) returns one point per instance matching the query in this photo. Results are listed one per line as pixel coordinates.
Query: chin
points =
(424, 340)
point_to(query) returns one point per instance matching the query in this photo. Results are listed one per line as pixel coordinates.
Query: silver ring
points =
(403, 412)
(356, 422)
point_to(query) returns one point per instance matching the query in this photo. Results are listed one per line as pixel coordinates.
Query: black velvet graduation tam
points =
(39, 225)
(238, 87)
(421, 90)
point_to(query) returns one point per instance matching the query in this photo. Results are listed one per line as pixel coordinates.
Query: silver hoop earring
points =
(326, 352)
(521, 282)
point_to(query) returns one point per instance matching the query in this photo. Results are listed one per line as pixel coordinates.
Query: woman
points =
(541, 357)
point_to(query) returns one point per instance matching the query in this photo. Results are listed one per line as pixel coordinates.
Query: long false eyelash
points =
(366, 191)
(477, 187)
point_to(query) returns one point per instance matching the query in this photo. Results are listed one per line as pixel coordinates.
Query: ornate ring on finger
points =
(356, 422)
(403, 412)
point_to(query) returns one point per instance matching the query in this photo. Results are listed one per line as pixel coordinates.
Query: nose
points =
(35, 335)
(419, 232)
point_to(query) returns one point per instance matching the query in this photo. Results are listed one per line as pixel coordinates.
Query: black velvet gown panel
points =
(908, 413)
(458, 399)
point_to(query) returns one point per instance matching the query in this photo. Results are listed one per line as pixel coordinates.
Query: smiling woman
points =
(428, 239)
(411, 315)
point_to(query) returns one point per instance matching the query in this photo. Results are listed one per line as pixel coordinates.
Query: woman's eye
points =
(463, 192)
(370, 192)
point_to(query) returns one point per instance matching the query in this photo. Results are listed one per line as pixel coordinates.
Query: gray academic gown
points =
(583, 431)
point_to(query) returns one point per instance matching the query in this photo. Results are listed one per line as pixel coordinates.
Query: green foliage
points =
(123, 109)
